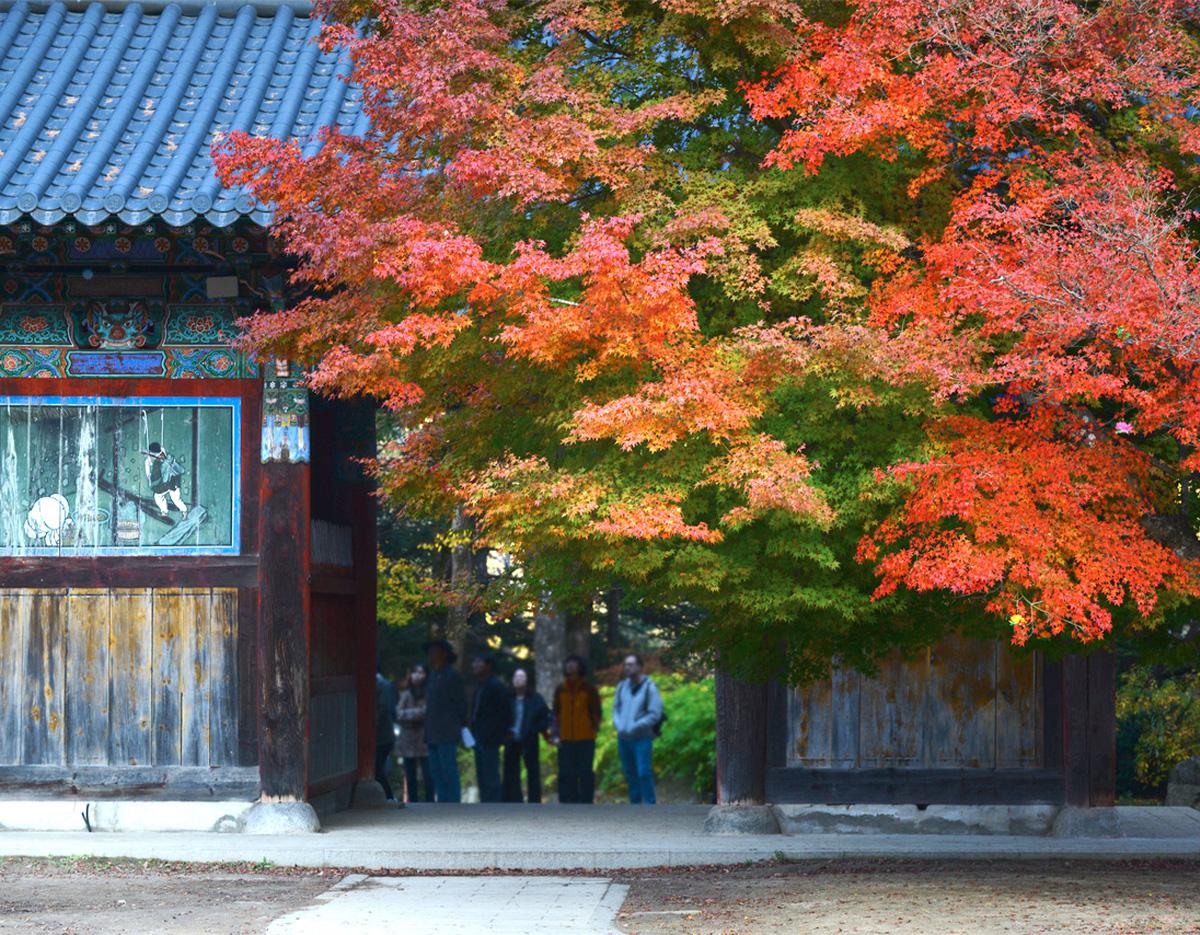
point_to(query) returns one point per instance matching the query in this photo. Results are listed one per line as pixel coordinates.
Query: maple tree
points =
(745, 304)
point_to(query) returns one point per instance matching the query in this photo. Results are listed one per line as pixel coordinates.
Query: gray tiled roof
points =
(112, 108)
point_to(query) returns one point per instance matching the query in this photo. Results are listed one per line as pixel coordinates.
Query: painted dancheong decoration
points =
(119, 476)
(285, 436)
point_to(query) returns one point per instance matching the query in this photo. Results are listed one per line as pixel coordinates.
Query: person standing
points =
(531, 717)
(410, 746)
(385, 730)
(637, 714)
(491, 717)
(445, 718)
(577, 714)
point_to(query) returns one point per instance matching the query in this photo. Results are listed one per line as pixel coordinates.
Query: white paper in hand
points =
(468, 738)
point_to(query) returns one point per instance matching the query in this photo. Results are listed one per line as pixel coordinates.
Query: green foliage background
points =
(1158, 725)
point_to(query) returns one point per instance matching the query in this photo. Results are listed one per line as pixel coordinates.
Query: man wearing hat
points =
(445, 718)
(491, 717)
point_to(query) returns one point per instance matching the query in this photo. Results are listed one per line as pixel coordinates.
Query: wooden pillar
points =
(1089, 729)
(1102, 729)
(366, 624)
(283, 629)
(742, 740)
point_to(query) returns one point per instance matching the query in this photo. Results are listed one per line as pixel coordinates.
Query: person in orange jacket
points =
(577, 714)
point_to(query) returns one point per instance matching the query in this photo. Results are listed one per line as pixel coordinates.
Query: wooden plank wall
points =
(119, 677)
(964, 704)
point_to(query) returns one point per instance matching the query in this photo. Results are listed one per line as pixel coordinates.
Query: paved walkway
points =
(460, 906)
(556, 837)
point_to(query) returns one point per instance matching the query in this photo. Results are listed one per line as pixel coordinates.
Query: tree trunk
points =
(579, 633)
(612, 622)
(742, 709)
(549, 648)
(458, 615)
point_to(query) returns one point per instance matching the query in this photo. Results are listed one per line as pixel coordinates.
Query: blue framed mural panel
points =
(142, 475)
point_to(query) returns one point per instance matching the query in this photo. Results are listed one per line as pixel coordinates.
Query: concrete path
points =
(558, 837)
(460, 905)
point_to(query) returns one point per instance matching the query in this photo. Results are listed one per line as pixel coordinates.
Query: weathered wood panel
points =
(220, 680)
(195, 680)
(960, 705)
(119, 678)
(964, 704)
(45, 682)
(166, 664)
(130, 692)
(13, 616)
(1020, 711)
(87, 677)
(890, 717)
(333, 738)
(846, 716)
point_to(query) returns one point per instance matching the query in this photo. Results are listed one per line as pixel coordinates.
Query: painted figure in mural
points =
(164, 473)
(49, 518)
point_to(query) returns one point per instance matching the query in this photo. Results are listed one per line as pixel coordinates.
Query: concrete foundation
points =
(1128, 821)
(69, 815)
(910, 819)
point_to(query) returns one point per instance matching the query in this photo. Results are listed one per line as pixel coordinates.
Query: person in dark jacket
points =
(491, 717)
(445, 718)
(531, 718)
(577, 716)
(385, 730)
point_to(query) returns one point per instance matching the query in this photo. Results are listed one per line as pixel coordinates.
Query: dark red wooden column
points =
(1089, 729)
(366, 623)
(283, 629)
(742, 731)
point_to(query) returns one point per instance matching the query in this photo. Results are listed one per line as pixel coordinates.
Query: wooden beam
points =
(914, 786)
(212, 571)
(186, 783)
(283, 629)
(742, 718)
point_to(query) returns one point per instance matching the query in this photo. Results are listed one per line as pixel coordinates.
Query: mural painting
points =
(132, 476)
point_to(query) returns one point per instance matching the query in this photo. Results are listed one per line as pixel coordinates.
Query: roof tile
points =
(98, 107)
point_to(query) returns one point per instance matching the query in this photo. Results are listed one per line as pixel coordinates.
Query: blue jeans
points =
(487, 771)
(443, 764)
(637, 762)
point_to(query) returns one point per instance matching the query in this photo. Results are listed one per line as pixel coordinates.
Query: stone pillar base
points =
(742, 819)
(281, 818)
(368, 794)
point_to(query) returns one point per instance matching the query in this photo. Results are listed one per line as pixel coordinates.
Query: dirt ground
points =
(902, 897)
(100, 897)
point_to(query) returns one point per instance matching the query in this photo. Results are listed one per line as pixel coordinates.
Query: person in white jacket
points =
(637, 714)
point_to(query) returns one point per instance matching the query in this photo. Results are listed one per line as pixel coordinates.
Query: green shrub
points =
(1158, 723)
(685, 756)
